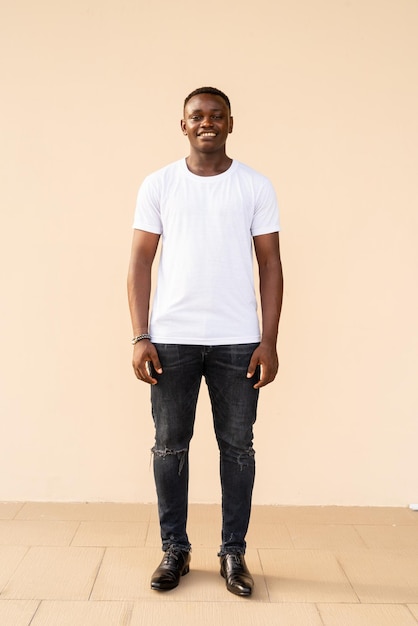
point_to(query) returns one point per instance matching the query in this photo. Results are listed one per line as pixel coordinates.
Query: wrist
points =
(139, 338)
(269, 341)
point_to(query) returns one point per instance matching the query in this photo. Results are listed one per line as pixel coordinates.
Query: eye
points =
(195, 118)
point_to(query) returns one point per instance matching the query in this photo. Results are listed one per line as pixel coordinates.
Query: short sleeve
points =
(266, 214)
(147, 211)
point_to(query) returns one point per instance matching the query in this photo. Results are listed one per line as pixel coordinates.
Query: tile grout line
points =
(319, 613)
(18, 511)
(347, 577)
(264, 576)
(290, 535)
(97, 573)
(28, 548)
(410, 612)
(146, 534)
(75, 533)
(36, 611)
(363, 541)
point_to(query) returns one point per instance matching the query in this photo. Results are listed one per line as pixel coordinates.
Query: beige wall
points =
(325, 100)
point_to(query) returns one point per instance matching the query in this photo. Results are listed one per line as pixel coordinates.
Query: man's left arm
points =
(267, 250)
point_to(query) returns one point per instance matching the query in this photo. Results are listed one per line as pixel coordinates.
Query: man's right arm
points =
(144, 247)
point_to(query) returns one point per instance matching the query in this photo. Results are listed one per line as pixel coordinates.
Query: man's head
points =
(207, 119)
(210, 90)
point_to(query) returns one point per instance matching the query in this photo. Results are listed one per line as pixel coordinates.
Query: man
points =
(208, 210)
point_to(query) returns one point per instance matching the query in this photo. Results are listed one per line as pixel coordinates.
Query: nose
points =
(207, 121)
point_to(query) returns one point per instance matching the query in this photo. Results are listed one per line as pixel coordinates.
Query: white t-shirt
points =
(205, 290)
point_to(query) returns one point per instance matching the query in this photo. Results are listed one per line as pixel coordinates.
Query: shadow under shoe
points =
(236, 573)
(175, 564)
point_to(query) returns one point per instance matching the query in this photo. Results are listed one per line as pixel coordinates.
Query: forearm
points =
(144, 246)
(271, 295)
(139, 291)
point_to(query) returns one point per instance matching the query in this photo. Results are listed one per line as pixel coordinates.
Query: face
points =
(207, 122)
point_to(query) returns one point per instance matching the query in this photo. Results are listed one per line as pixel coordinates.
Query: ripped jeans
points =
(234, 406)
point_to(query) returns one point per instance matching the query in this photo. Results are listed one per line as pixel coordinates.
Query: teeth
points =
(207, 135)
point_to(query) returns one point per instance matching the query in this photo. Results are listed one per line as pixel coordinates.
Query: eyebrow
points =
(200, 111)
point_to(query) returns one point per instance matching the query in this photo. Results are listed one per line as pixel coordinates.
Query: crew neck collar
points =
(215, 176)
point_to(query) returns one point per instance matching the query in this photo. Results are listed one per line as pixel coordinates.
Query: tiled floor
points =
(90, 565)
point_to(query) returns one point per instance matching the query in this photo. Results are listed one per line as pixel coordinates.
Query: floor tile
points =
(389, 537)
(414, 610)
(242, 613)
(36, 533)
(111, 534)
(305, 576)
(153, 513)
(324, 536)
(58, 613)
(269, 536)
(55, 574)
(205, 513)
(83, 511)
(208, 535)
(125, 575)
(91, 564)
(334, 515)
(365, 615)
(202, 535)
(17, 612)
(382, 576)
(10, 557)
(8, 510)
(153, 538)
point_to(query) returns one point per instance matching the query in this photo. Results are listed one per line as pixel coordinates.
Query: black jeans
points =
(234, 406)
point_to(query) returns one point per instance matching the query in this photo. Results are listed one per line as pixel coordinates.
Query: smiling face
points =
(207, 122)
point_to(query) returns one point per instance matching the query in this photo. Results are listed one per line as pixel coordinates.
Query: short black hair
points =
(213, 91)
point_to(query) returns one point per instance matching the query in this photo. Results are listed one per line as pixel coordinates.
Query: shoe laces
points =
(234, 556)
(171, 553)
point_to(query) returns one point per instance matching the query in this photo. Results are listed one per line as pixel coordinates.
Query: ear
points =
(231, 124)
(183, 127)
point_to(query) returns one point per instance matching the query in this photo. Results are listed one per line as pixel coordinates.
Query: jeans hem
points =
(176, 546)
(224, 551)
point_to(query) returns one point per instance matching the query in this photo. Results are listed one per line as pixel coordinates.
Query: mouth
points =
(207, 134)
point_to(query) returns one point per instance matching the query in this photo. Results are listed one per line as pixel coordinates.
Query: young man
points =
(209, 210)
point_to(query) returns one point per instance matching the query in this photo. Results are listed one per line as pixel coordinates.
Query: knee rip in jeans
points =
(163, 454)
(244, 459)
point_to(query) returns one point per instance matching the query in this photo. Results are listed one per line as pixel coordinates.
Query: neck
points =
(208, 164)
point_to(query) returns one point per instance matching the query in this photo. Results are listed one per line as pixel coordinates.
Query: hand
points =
(266, 357)
(144, 354)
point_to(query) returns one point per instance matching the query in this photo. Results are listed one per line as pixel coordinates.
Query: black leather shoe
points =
(238, 578)
(175, 564)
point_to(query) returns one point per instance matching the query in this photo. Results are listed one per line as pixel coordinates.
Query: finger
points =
(267, 375)
(142, 373)
(156, 364)
(147, 374)
(261, 379)
(136, 370)
(150, 378)
(252, 367)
